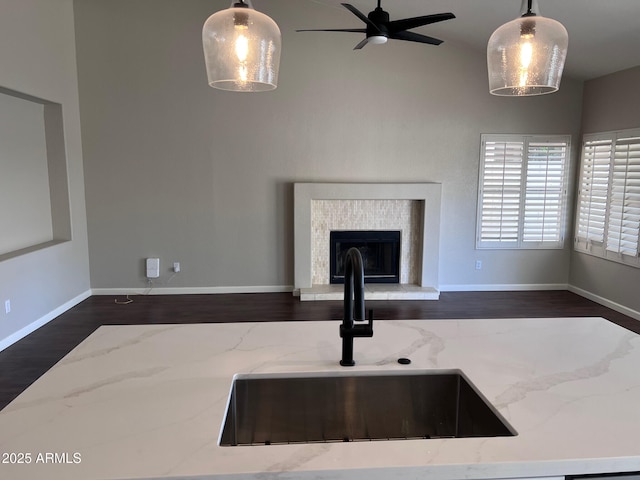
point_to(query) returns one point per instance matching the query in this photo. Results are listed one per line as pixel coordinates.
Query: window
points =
(608, 223)
(522, 191)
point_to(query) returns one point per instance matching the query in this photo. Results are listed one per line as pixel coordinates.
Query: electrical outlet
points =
(7, 306)
(176, 267)
(478, 264)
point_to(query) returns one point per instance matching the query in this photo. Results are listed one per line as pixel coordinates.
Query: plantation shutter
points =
(624, 215)
(545, 192)
(594, 190)
(501, 185)
(608, 223)
(522, 191)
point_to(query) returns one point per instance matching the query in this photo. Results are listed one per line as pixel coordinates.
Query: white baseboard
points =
(607, 303)
(508, 287)
(23, 332)
(193, 290)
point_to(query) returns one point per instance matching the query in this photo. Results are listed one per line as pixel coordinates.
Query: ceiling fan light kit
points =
(377, 39)
(526, 56)
(241, 49)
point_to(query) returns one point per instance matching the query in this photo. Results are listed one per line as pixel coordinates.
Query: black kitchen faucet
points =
(353, 306)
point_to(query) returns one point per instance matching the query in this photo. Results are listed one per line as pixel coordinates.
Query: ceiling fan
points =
(380, 28)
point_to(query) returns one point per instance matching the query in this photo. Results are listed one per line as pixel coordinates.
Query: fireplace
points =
(412, 208)
(380, 250)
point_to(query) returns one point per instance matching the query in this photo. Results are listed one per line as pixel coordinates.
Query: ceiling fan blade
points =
(361, 44)
(360, 15)
(415, 37)
(409, 23)
(356, 30)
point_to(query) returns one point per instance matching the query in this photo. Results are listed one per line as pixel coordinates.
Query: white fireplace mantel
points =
(306, 193)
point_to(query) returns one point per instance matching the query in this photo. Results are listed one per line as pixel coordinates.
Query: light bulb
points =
(526, 54)
(242, 47)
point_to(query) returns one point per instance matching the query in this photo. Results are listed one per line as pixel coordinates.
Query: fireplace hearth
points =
(380, 252)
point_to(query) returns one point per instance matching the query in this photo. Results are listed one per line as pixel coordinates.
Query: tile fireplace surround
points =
(413, 208)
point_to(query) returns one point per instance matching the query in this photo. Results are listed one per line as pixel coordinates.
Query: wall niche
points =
(34, 190)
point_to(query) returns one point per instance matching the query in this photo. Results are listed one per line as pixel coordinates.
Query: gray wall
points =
(178, 170)
(610, 103)
(37, 55)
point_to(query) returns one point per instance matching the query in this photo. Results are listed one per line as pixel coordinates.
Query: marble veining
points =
(69, 359)
(520, 390)
(425, 339)
(149, 401)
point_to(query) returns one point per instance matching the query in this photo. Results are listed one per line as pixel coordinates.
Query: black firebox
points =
(380, 251)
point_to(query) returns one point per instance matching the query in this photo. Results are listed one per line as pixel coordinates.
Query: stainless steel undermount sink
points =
(269, 409)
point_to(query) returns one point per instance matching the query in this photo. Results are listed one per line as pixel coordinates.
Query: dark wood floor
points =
(25, 361)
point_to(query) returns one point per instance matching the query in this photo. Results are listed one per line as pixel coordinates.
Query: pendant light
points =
(241, 49)
(526, 56)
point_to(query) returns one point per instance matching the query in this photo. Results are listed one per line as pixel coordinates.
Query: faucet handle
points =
(370, 317)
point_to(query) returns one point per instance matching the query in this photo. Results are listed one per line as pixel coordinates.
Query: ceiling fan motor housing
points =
(380, 18)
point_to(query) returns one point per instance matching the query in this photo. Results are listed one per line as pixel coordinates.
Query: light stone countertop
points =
(149, 401)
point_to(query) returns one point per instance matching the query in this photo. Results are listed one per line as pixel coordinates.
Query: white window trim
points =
(590, 246)
(520, 243)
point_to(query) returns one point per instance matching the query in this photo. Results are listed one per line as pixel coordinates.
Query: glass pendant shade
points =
(241, 49)
(526, 56)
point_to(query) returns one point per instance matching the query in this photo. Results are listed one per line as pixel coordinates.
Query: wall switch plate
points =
(7, 306)
(153, 267)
